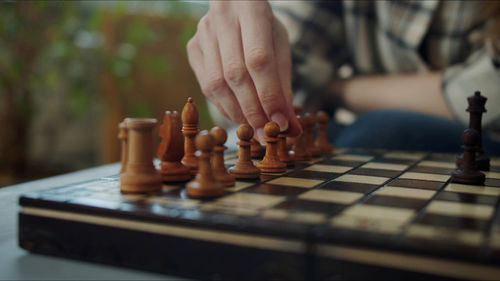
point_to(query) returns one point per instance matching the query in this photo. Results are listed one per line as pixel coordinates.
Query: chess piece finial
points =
(190, 129)
(171, 149)
(300, 150)
(218, 168)
(321, 139)
(123, 137)
(244, 167)
(204, 185)
(140, 175)
(468, 173)
(271, 162)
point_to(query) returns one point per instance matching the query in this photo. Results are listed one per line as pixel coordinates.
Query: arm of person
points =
(411, 92)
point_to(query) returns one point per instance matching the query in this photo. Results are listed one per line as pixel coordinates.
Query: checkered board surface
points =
(376, 210)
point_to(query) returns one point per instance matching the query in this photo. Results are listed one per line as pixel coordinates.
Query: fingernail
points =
(260, 135)
(280, 119)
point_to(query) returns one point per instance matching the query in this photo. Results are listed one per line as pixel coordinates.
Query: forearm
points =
(412, 92)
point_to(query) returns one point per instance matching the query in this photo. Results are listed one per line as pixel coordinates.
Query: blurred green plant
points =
(56, 47)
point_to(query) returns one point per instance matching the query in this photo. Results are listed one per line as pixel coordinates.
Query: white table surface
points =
(16, 263)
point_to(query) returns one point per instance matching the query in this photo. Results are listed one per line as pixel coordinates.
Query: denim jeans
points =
(402, 130)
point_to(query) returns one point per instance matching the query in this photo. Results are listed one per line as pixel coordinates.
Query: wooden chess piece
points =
(171, 149)
(321, 139)
(190, 129)
(290, 141)
(476, 109)
(468, 173)
(257, 151)
(244, 168)
(204, 185)
(123, 137)
(271, 162)
(283, 153)
(140, 175)
(301, 153)
(311, 126)
(220, 173)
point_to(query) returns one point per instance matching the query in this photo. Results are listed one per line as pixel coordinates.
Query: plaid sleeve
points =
(316, 34)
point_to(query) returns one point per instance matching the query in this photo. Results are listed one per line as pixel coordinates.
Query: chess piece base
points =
(199, 189)
(467, 177)
(140, 183)
(250, 172)
(174, 172)
(272, 167)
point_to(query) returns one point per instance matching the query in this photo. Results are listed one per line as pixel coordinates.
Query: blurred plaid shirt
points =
(343, 38)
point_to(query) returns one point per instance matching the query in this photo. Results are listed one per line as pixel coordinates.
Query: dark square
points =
(375, 172)
(454, 222)
(310, 206)
(341, 162)
(350, 186)
(312, 175)
(442, 157)
(431, 170)
(467, 198)
(434, 185)
(394, 161)
(275, 189)
(394, 201)
(492, 182)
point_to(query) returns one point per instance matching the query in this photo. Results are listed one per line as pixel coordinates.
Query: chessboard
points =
(353, 214)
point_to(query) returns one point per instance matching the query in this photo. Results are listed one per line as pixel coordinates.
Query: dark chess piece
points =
(321, 140)
(476, 109)
(220, 173)
(290, 141)
(300, 150)
(171, 149)
(140, 175)
(311, 126)
(271, 162)
(244, 168)
(204, 185)
(468, 173)
(190, 129)
(257, 151)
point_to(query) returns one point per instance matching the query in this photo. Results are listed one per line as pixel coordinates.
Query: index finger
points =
(258, 49)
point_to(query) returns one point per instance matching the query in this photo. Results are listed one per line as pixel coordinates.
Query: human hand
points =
(241, 57)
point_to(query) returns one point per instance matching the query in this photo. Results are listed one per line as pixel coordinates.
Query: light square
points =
(492, 175)
(460, 209)
(424, 176)
(250, 200)
(328, 168)
(406, 192)
(362, 179)
(385, 166)
(380, 213)
(473, 189)
(331, 196)
(368, 224)
(308, 217)
(276, 214)
(353, 157)
(437, 164)
(469, 237)
(239, 185)
(495, 161)
(297, 182)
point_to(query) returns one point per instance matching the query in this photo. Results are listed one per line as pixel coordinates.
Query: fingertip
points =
(259, 135)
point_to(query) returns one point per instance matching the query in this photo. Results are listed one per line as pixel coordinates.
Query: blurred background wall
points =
(70, 71)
